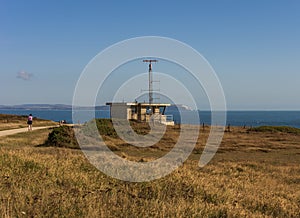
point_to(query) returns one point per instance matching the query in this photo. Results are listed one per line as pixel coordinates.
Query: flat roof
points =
(136, 104)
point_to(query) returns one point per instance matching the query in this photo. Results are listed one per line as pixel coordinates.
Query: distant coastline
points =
(48, 107)
(69, 107)
(234, 118)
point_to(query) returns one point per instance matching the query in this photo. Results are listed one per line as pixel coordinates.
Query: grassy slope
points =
(254, 173)
(8, 121)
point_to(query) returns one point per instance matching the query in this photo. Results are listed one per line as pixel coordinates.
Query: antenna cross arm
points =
(152, 60)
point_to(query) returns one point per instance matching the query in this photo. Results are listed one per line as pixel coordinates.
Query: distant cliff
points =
(37, 107)
(179, 107)
(69, 107)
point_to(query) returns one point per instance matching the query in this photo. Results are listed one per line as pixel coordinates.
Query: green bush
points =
(62, 136)
(105, 127)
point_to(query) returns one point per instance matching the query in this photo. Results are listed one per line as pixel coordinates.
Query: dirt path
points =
(15, 131)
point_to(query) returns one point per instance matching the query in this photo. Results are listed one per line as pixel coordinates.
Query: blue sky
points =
(254, 46)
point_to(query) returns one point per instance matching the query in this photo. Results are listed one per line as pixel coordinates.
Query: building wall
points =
(119, 111)
(143, 114)
(138, 112)
(156, 110)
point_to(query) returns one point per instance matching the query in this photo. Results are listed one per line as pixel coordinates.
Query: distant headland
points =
(69, 107)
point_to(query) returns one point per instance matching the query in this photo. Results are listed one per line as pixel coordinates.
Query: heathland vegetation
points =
(8, 121)
(255, 173)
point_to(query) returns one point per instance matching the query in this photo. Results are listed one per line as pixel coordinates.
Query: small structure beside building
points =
(142, 112)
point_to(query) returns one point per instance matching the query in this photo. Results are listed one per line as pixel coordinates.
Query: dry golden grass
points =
(8, 121)
(253, 174)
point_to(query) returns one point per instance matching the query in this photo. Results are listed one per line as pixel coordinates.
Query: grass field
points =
(8, 121)
(255, 173)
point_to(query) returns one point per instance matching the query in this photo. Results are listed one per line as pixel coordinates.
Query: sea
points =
(234, 118)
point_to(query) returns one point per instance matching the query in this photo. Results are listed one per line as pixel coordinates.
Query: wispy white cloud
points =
(24, 75)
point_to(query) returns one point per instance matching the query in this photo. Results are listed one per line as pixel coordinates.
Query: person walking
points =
(29, 122)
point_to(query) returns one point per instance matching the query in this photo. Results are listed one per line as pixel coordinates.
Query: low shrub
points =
(62, 136)
(284, 129)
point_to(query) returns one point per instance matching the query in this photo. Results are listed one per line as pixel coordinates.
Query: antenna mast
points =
(150, 79)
